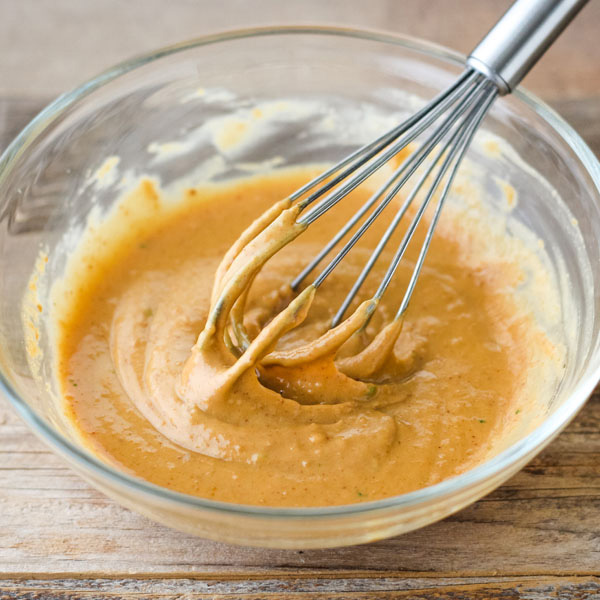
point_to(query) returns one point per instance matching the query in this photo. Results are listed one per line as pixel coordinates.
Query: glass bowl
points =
(161, 98)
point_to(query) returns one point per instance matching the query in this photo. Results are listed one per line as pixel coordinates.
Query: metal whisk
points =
(494, 68)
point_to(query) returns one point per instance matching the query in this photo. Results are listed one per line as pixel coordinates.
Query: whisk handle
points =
(509, 50)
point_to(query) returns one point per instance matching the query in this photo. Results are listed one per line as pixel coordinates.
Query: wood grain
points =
(299, 586)
(538, 536)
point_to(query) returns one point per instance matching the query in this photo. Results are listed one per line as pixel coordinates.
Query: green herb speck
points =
(482, 420)
(360, 494)
(371, 390)
(147, 313)
(143, 245)
(517, 411)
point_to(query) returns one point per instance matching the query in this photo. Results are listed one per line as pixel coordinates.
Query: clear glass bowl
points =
(43, 194)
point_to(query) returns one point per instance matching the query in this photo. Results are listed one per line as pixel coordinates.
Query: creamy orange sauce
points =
(151, 385)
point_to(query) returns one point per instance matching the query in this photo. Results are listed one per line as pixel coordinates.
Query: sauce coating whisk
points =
(494, 68)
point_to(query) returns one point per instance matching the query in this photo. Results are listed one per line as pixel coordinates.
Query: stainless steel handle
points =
(509, 50)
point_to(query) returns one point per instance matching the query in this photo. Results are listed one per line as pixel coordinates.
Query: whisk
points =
(493, 69)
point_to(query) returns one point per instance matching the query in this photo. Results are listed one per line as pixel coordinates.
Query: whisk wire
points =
(367, 205)
(365, 153)
(450, 148)
(459, 151)
(397, 180)
(353, 182)
(387, 235)
(455, 149)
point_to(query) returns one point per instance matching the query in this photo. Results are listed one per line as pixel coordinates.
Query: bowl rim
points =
(519, 451)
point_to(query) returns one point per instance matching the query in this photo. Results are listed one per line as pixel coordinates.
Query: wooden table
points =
(536, 537)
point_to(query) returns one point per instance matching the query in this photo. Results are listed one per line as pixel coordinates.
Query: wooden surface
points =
(536, 537)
